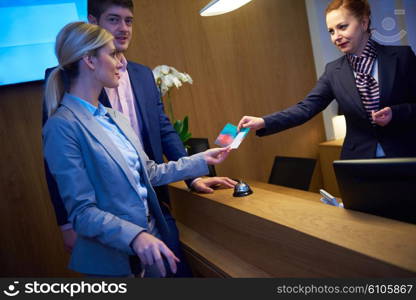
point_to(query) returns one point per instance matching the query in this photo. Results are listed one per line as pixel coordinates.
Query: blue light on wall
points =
(28, 32)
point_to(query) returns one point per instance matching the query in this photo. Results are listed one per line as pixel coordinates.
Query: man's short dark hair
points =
(97, 7)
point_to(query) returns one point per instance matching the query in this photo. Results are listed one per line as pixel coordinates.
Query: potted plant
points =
(166, 78)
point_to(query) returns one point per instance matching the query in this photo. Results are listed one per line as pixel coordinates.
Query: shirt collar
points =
(123, 61)
(369, 51)
(95, 111)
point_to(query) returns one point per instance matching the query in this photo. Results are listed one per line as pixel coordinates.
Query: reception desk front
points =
(283, 232)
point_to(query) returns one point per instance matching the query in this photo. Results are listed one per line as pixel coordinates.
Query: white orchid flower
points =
(185, 77)
(169, 80)
(174, 71)
(160, 70)
(189, 79)
(166, 77)
(163, 88)
(182, 77)
(165, 69)
(177, 82)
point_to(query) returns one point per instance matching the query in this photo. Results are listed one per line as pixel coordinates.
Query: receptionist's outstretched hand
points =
(251, 122)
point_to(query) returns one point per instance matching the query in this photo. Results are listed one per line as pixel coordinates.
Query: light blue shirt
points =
(121, 142)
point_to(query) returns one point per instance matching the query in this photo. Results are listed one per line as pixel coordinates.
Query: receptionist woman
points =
(374, 85)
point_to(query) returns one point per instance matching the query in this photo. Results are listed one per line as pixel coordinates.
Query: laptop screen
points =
(383, 187)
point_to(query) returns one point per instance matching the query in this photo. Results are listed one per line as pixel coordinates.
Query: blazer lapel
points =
(128, 132)
(387, 62)
(124, 126)
(346, 80)
(152, 201)
(95, 129)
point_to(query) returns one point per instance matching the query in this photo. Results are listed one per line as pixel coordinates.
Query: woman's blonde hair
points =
(73, 42)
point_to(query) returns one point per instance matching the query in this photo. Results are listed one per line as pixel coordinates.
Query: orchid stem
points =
(170, 108)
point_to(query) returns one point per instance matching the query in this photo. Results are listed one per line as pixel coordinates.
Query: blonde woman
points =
(103, 174)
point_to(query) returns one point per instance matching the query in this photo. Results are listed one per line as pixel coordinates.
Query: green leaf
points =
(185, 124)
(186, 137)
(183, 135)
(178, 125)
(181, 127)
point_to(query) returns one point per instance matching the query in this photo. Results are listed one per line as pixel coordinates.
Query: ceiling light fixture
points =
(218, 7)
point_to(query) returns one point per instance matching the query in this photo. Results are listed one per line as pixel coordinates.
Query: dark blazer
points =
(159, 136)
(397, 81)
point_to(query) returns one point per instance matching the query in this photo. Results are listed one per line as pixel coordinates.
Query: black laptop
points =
(383, 187)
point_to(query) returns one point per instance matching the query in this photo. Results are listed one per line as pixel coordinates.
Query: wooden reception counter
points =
(283, 232)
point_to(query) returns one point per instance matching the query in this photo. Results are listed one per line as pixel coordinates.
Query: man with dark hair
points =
(138, 98)
(97, 8)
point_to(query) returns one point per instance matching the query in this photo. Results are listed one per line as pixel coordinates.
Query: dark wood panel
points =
(291, 234)
(253, 61)
(31, 242)
(210, 259)
(201, 267)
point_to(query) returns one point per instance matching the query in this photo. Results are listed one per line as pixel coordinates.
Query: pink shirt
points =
(123, 100)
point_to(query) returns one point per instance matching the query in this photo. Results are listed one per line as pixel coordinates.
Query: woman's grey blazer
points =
(99, 190)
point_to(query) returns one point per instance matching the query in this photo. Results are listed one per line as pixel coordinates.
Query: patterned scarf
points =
(366, 84)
